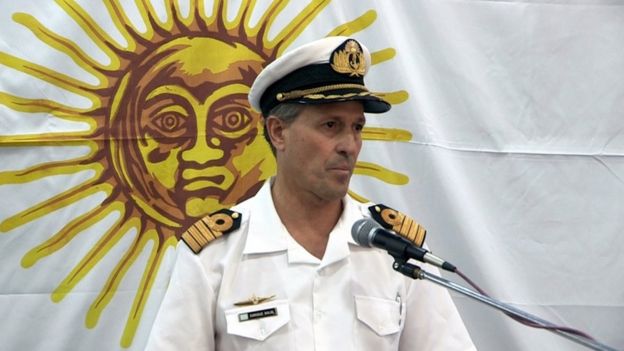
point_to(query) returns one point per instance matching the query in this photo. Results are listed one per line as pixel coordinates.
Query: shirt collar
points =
(266, 232)
(340, 237)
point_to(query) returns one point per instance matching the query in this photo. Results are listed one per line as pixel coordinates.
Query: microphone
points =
(366, 232)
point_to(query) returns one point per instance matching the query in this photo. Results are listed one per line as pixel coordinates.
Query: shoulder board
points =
(403, 225)
(211, 227)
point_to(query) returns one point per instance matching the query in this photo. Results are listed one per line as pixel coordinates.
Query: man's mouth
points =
(341, 167)
(341, 170)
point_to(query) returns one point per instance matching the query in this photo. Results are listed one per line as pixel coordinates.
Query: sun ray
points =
(219, 12)
(234, 23)
(44, 170)
(121, 22)
(116, 275)
(380, 56)
(250, 5)
(267, 19)
(201, 19)
(103, 41)
(222, 13)
(356, 25)
(162, 28)
(381, 173)
(204, 20)
(107, 241)
(150, 18)
(63, 45)
(61, 200)
(65, 235)
(188, 20)
(43, 105)
(386, 134)
(244, 13)
(44, 139)
(396, 97)
(53, 77)
(147, 281)
(285, 37)
(201, 11)
(175, 16)
(145, 17)
(358, 197)
(151, 13)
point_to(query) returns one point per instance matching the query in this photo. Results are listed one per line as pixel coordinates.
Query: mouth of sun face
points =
(202, 183)
(157, 122)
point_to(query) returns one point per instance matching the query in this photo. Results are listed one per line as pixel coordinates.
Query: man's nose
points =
(350, 144)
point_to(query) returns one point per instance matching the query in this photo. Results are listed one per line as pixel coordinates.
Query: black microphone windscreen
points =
(362, 229)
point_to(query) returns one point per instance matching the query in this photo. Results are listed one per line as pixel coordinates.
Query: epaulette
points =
(403, 225)
(211, 227)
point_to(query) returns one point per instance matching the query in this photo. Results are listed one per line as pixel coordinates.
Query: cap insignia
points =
(349, 60)
(403, 225)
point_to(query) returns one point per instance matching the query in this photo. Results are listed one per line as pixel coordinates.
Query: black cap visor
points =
(372, 102)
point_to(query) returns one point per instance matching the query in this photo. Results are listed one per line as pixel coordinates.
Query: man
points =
(281, 271)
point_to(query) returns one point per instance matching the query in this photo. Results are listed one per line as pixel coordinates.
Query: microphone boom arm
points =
(415, 272)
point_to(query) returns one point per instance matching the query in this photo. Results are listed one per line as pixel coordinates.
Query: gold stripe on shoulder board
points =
(210, 227)
(403, 225)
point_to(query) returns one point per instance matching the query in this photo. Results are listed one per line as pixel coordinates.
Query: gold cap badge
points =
(349, 60)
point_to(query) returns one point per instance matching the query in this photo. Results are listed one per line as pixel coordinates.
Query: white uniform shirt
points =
(352, 299)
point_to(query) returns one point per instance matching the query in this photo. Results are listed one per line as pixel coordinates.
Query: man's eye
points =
(330, 124)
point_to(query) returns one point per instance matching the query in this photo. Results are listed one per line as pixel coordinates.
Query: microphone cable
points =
(522, 320)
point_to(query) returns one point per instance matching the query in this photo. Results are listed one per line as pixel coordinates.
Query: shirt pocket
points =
(382, 316)
(257, 322)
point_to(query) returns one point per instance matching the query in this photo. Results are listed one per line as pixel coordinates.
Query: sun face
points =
(171, 136)
(183, 137)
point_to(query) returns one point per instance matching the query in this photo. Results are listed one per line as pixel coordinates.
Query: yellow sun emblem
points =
(170, 133)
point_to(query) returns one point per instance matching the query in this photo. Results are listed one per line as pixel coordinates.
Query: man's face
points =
(321, 147)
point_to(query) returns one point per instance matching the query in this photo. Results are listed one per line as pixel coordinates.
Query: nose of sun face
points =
(204, 149)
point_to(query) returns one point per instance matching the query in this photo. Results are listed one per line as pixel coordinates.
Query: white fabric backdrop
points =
(516, 162)
(515, 166)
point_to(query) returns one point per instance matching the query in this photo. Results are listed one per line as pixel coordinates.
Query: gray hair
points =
(286, 112)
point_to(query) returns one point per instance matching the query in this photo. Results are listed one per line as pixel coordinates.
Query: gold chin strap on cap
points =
(295, 94)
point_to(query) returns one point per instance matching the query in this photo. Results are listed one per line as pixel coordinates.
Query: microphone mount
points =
(415, 272)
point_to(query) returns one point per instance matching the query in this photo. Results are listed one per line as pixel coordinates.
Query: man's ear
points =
(275, 128)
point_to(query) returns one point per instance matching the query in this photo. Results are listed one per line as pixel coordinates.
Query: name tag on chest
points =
(247, 316)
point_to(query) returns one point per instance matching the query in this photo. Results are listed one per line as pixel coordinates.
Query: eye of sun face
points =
(166, 119)
(233, 118)
(161, 150)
